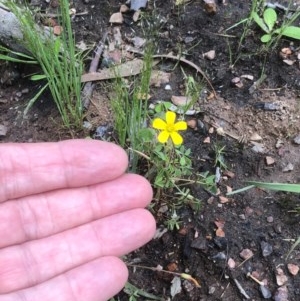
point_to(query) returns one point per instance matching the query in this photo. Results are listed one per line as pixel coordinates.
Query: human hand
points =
(67, 211)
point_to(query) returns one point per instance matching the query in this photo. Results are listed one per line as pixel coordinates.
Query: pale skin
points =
(68, 211)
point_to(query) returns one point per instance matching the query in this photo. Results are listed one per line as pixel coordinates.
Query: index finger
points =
(28, 168)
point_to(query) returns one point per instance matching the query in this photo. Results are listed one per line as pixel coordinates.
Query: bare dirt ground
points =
(263, 222)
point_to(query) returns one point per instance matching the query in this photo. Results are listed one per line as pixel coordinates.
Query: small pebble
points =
(279, 143)
(180, 100)
(192, 123)
(210, 55)
(258, 147)
(168, 87)
(188, 40)
(281, 294)
(210, 200)
(137, 4)
(231, 263)
(223, 199)
(211, 290)
(270, 160)
(136, 15)
(281, 278)
(278, 229)
(235, 80)
(246, 253)
(297, 139)
(87, 125)
(255, 137)
(124, 8)
(188, 286)
(270, 219)
(265, 292)
(116, 18)
(229, 174)
(219, 256)
(266, 249)
(288, 167)
(248, 211)
(293, 269)
(206, 140)
(101, 132)
(3, 130)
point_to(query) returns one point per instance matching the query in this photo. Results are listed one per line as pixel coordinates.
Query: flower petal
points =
(176, 138)
(180, 126)
(170, 117)
(159, 124)
(163, 136)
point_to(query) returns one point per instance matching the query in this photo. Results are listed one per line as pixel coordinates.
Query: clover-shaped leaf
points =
(270, 18)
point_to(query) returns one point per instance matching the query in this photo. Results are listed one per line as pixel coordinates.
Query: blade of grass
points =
(240, 190)
(297, 242)
(277, 186)
(33, 99)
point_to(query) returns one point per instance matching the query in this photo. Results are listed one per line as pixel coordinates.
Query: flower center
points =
(170, 128)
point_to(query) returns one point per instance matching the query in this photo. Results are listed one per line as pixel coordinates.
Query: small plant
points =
(192, 91)
(267, 20)
(267, 24)
(130, 109)
(61, 66)
(219, 156)
(173, 222)
(134, 293)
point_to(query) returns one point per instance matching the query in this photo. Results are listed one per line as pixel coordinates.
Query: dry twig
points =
(88, 88)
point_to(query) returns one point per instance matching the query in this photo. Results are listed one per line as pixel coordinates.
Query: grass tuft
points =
(61, 65)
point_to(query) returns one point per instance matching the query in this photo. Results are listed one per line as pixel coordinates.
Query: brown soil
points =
(251, 218)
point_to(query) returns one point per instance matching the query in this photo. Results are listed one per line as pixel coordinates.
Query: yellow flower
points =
(169, 128)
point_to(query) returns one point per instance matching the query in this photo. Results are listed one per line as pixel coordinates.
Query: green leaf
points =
(33, 99)
(291, 32)
(57, 46)
(277, 186)
(265, 38)
(146, 135)
(259, 21)
(38, 77)
(270, 17)
(182, 161)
